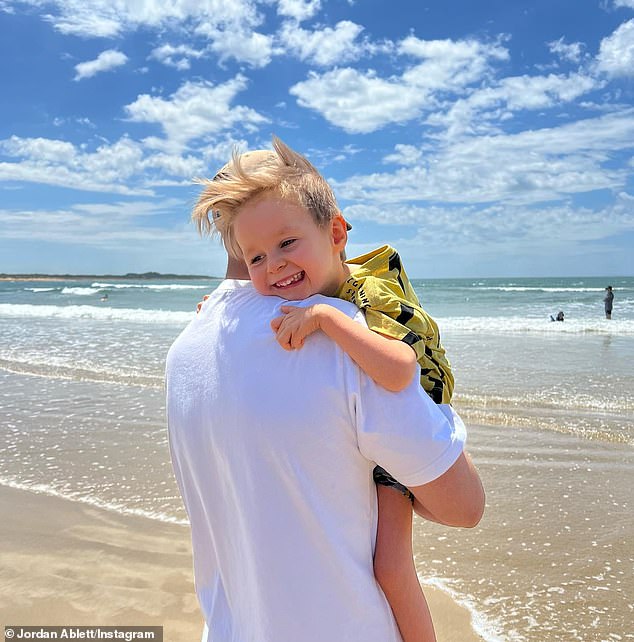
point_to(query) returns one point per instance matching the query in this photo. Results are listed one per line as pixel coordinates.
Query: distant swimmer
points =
(104, 297)
(609, 298)
(559, 317)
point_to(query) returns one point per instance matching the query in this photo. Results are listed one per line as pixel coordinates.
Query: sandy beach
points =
(82, 416)
(67, 563)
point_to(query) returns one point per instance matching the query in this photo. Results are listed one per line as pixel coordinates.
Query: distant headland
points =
(147, 276)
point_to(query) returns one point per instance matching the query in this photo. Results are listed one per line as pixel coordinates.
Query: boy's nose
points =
(276, 263)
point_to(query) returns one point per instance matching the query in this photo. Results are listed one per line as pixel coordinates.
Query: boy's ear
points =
(339, 232)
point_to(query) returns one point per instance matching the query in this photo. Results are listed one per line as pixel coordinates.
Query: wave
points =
(134, 315)
(522, 288)
(80, 291)
(573, 402)
(524, 325)
(46, 489)
(590, 427)
(40, 289)
(488, 325)
(76, 372)
(488, 628)
(166, 286)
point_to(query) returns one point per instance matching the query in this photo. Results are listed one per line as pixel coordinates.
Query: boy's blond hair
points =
(280, 171)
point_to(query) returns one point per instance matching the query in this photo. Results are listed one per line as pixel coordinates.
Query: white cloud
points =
(176, 56)
(484, 109)
(525, 168)
(124, 226)
(129, 167)
(107, 169)
(358, 102)
(105, 61)
(571, 52)
(501, 224)
(124, 235)
(449, 65)
(196, 111)
(103, 18)
(325, 46)
(362, 102)
(616, 53)
(624, 3)
(404, 155)
(256, 49)
(298, 9)
(495, 239)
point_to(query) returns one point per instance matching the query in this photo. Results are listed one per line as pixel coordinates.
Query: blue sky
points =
(487, 138)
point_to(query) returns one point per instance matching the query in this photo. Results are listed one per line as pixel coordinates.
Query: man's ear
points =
(338, 233)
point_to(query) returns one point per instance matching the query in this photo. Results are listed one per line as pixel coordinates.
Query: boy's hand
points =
(200, 305)
(296, 324)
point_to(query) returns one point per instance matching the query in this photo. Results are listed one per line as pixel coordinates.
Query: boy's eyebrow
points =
(289, 227)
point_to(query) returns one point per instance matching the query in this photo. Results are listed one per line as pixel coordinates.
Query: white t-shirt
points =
(273, 452)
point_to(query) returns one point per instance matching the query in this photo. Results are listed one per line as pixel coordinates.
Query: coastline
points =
(145, 276)
(67, 563)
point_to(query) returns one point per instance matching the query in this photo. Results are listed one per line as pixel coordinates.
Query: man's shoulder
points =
(341, 304)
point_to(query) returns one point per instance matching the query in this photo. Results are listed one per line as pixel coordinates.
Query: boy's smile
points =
(286, 252)
(294, 280)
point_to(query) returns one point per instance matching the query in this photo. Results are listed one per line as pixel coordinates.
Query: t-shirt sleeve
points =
(406, 433)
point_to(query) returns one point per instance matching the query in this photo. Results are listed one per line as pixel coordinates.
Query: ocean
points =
(549, 405)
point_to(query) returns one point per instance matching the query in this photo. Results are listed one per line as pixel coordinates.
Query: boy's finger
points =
(276, 323)
(288, 308)
(284, 340)
(296, 343)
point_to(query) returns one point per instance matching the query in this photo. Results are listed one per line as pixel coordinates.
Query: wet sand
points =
(67, 563)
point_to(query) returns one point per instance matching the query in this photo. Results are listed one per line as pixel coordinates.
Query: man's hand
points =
(200, 305)
(296, 324)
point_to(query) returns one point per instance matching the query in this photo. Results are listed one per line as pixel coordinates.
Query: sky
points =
(488, 138)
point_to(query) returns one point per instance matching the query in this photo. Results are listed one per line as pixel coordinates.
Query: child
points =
(277, 213)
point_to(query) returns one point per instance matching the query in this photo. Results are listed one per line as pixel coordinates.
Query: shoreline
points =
(146, 276)
(67, 563)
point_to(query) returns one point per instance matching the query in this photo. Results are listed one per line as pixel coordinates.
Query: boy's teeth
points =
(292, 279)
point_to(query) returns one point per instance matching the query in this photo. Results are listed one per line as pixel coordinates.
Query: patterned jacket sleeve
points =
(387, 311)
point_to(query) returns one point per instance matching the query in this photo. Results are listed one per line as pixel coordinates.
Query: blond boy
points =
(275, 212)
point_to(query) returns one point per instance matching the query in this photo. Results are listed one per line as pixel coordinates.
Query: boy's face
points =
(286, 253)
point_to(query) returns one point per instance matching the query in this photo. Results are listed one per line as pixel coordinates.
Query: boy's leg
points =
(394, 567)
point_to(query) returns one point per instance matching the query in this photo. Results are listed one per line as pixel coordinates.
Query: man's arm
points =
(456, 498)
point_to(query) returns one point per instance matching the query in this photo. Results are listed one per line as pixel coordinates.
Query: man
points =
(274, 452)
(608, 300)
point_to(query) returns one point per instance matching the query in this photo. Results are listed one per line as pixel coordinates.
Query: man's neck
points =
(236, 269)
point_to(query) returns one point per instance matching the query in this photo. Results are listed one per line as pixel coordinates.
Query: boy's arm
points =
(391, 363)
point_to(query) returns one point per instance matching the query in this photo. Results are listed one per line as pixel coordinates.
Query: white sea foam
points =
(488, 325)
(522, 288)
(488, 629)
(543, 326)
(65, 368)
(40, 289)
(80, 291)
(154, 317)
(47, 489)
(150, 286)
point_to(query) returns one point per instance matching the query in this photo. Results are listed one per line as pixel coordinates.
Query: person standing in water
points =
(609, 298)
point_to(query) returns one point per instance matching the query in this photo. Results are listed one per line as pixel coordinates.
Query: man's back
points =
(274, 454)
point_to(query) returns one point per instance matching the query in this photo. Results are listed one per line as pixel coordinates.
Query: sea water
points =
(550, 407)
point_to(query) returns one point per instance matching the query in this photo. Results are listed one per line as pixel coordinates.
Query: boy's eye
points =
(287, 242)
(256, 259)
